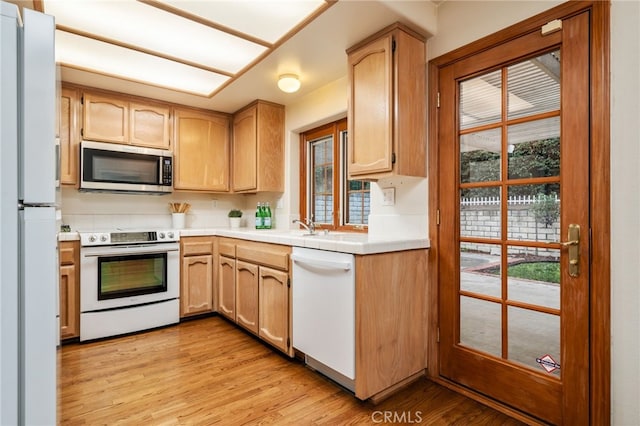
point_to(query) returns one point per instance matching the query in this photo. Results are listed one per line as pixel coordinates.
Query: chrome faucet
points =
(307, 224)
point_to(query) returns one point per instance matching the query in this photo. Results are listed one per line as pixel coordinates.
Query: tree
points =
(529, 159)
(546, 209)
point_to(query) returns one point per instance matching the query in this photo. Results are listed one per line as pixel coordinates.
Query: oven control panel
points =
(102, 238)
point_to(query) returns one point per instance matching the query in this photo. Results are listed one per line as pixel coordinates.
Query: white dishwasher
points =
(324, 312)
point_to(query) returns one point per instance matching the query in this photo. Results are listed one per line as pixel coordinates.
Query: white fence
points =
(480, 217)
(495, 201)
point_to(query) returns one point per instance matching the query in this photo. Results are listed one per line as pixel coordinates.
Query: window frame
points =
(336, 130)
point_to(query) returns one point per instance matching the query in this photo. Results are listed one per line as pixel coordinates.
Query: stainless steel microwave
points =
(125, 168)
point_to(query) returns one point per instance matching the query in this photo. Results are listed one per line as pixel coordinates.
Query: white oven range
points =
(130, 281)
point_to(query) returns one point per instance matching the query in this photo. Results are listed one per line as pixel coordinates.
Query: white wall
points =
(461, 22)
(327, 104)
(625, 212)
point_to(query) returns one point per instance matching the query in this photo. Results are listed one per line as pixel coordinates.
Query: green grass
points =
(538, 271)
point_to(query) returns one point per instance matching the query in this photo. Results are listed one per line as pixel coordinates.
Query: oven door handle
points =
(125, 250)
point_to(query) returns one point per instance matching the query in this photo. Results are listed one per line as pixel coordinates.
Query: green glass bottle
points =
(267, 216)
(259, 216)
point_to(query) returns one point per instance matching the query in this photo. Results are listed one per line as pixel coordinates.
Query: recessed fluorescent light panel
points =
(264, 19)
(190, 46)
(92, 55)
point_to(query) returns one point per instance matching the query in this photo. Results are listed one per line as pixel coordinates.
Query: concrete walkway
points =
(531, 334)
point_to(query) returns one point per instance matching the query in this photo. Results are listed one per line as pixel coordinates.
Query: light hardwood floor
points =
(207, 371)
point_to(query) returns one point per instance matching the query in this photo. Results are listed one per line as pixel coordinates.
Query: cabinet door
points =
(196, 290)
(247, 295)
(270, 147)
(227, 287)
(258, 148)
(106, 119)
(245, 150)
(201, 153)
(69, 302)
(69, 136)
(69, 290)
(274, 307)
(149, 125)
(370, 144)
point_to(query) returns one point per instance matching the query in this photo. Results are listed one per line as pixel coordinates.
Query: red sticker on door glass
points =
(548, 363)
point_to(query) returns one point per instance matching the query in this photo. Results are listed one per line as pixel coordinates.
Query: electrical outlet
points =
(388, 196)
(214, 203)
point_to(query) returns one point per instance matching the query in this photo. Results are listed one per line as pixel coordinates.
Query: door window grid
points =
(484, 169)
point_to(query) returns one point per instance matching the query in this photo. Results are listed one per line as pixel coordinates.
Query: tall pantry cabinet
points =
(387, 108)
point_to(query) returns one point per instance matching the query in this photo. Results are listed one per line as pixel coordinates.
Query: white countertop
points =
(68, 236)
(345, 242)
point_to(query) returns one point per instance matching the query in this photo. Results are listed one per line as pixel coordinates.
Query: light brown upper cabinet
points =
(149, 125)
(387, 105)
(69, 135)
(121, 120)
(106, 118)
(201, 151)
(258, 148)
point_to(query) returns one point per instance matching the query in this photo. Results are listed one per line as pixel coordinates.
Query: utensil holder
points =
(178, 220)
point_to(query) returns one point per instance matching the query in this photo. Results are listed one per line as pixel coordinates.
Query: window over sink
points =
(327, 196)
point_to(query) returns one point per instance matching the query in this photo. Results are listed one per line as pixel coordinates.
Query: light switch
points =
(388, 196)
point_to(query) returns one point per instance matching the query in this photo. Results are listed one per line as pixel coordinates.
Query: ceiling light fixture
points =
(288, 83)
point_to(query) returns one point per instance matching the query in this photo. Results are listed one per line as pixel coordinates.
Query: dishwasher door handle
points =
(325, 264)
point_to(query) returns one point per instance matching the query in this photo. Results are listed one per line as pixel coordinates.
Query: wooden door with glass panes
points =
(513, 158)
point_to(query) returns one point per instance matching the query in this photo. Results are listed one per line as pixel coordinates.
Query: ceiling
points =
(263, 39)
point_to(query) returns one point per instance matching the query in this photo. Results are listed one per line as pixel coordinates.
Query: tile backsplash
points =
(88, 211)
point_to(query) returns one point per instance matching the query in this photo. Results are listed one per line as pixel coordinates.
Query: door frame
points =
(599, 264)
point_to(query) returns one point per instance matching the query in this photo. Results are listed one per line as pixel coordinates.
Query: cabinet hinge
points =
(82, 100)
(438, 335)
(288, 342)
(393, 45)
(393, 158)
(438, 100)
(82, 131)
(438, 217)
(288, 282)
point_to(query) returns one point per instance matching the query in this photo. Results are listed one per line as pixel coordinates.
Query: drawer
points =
(67, 254)
(273, 255)
(192, 246)
(227, 247)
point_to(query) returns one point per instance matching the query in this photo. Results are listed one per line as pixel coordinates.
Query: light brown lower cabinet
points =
(254, 290)
(274, 307)
(69, 254)
(227, 287)
(247, 295)
(196, 272)
(390, 321)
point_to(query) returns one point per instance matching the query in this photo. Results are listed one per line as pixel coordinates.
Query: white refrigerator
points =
(28, 246)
